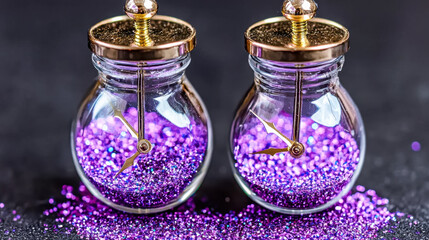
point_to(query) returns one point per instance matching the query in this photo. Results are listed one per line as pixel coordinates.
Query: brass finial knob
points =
(299, 12)
(141, 11)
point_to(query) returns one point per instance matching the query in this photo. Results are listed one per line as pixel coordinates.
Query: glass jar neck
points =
(124, 74)
(274, 76)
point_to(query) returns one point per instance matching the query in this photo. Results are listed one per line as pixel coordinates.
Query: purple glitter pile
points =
(322, 173)
(357, 216)
(157, 178)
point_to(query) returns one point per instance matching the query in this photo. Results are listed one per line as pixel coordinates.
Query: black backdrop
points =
(45, 70)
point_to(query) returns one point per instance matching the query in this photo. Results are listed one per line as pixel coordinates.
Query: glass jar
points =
(331, 131)
(142, 139)
(176, 123)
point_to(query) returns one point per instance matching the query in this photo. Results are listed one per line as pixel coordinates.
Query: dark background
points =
(45, 70)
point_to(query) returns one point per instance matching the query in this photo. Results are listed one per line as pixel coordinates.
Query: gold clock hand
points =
(118, 114)
(143, 147)
(128, 163)
(272, 151)
(270, 128)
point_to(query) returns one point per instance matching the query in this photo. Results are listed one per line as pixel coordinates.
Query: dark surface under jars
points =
(46, 70)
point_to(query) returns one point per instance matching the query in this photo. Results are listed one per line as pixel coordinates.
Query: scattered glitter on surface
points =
(7, 219)
(322, 173)
(157, 178)
(361, 215)
(415, 146)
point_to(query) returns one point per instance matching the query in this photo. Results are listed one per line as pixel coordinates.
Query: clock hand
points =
(141, 103)
(128, 163)
(143, 145)
(118, 114)
(272, 151)
(270, 128)
(295, 148)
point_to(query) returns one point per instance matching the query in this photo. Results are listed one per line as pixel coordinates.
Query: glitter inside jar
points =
(330, 135)
(314, 179)
(107, 136)
(156, 179)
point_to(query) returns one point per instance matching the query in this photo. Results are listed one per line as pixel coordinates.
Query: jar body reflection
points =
(331, 131)
(104, 136)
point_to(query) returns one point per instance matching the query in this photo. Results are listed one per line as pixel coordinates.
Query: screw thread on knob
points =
(142, 37)
(141, 11)
(299, 34)
(299, 12)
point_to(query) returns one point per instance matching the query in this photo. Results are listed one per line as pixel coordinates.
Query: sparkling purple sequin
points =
(157, 178)
(357, 216)
(415, 146)
(322, 173)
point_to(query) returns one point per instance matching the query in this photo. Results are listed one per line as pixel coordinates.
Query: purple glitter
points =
(157, 178)
(322, 173)
(357, 216)
(416, 146)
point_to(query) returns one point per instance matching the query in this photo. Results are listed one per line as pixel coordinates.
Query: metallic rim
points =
(134, 53)
(290, 54)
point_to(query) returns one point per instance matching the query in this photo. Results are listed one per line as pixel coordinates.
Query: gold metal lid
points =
(297, 37)
(142, 36)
